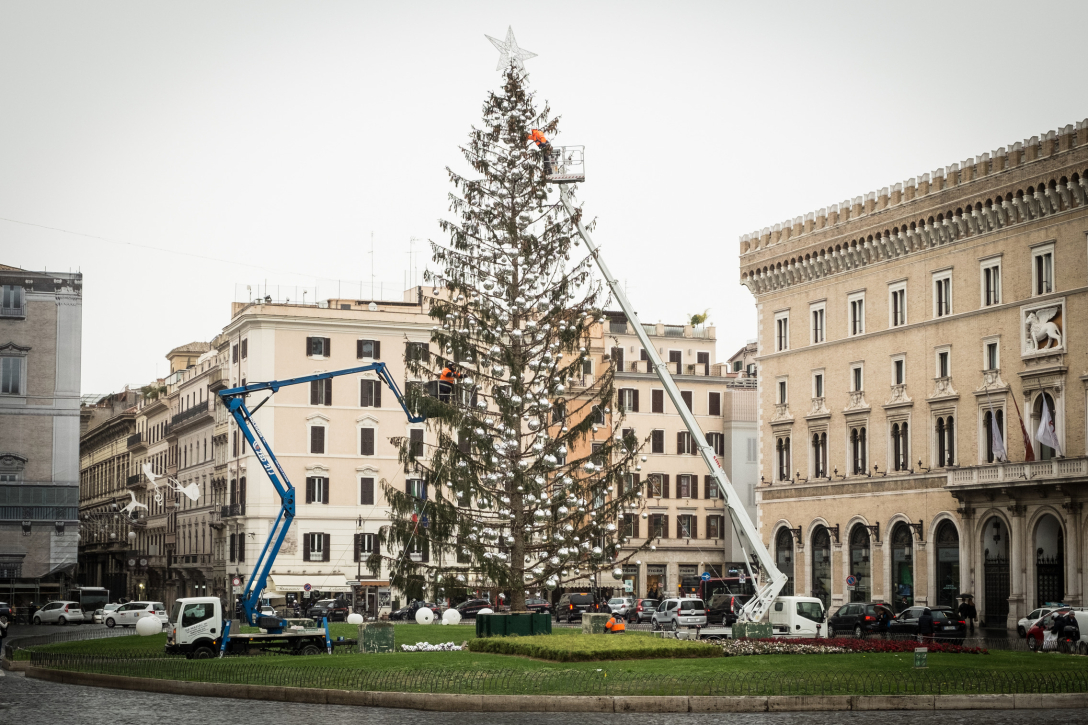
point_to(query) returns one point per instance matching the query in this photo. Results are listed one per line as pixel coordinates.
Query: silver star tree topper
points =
(510, 52)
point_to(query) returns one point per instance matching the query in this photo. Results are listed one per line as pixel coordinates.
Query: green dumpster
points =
(523, 624)
(752, 630)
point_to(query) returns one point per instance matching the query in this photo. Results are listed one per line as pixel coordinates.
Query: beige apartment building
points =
(686, 520)
(40, 338)
(901, 335)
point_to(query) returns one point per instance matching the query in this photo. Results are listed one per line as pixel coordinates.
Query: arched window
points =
(902, 543)
(993, 425)
(783, 550)
(1043, 452)
(857, 450)
(821, 565)
(782, 447)
(860, 564)
(900, 447)
(945, 433)
(948, 564)
(819, 455)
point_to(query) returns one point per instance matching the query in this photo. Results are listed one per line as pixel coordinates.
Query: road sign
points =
(306, 587)
(851, 581)
(705, 576)
(628, 586)
(236, 581)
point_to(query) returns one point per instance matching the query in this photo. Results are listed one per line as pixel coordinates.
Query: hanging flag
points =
(996, 441)
(1046, 433)
(1029, 452)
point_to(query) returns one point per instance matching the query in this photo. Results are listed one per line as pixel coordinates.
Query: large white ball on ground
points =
(149, 625)
(355, 618)
(424, 616)
(451, 616)
(485, 610)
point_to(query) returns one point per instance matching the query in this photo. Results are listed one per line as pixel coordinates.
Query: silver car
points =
(674, 613)
(623, 607)
(59, 613)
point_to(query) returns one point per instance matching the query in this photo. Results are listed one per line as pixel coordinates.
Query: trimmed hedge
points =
(595, 647)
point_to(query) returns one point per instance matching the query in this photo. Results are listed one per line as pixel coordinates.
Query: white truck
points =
(790, 617)
(196, 630)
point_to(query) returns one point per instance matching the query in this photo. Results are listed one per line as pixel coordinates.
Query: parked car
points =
(674, 613)
(622, 607)
(409, 613)
(860, 618)
(539, 606)
(7, 612)
(60, 613)
(127, 614)
(644, 609)
(267, 610)
(99, 616)
(469, 609)
(946, 624)
(1025, 623)
(1037, 630)
(572, 605)
(334, 609)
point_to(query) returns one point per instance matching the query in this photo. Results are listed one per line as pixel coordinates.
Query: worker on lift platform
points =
(446, 380)
(545, 149)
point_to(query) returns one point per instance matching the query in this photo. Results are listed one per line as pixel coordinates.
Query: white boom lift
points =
(772, 581)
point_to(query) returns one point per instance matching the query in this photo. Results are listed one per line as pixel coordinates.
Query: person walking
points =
(969, 612)
(925, 625)
(3, 634)
(885, 622)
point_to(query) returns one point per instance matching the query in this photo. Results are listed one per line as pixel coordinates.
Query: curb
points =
(568, 703)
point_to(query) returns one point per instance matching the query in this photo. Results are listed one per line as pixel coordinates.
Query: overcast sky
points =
(189, 149)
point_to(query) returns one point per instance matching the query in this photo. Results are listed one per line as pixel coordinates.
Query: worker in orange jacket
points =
(446, 381)
(615, 626)
(545, 148)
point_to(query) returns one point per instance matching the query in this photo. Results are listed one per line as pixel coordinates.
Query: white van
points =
(797, 617)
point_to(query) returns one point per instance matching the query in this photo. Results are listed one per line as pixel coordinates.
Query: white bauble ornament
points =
(485, 610)
(451, 616)
(424, 616)
(148, 625)
(132, 536)
(355, 618)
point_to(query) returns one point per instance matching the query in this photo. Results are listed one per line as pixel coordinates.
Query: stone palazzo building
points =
(902, 336)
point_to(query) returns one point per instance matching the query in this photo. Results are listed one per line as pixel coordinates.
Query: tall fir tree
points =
(523, 486)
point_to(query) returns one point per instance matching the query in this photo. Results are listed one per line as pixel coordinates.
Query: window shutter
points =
(664, 526)
(694, 486)
(315, 392)
(233, 548)
(408, 486)
(309, 489)
(325, 548)
(327, 490)
(376, 394)
(708, 481)
(317, 439)
(366, 442)
(635, 402)
(694, 526)
(680, 443)
(377, 350)
(657, 401)
(234, 354)
(357, 547)
(241, 547)
(715, 404)
(636, 526)
(328, 347)
(364, 393)
(309, 346)
(426, 550)
(366, 491)
(664, 485)
(686, 395)
(328, 391)
(358, 356)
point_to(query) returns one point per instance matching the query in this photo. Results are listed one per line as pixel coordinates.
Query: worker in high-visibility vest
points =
(615, 626)
(445, 382)
(545, 149)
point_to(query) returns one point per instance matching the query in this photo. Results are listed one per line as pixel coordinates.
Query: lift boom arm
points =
(235, 401)
(773, 580)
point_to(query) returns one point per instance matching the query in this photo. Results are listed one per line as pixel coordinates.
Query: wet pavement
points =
(33, 702)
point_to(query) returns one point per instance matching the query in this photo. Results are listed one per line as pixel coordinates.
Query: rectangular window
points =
(318, 347)
(657, 401)
(714, 527)
(245, 348)
(12, 301)
(782, 331)
(368, 349)
(366, 491)
(317, 439)
(616, 355)
(686, 396)
(659, 526)
(717, 442)
(321, 392)
(657, 441)
(317, 489)
(942, 364)
(714, 404)
(234, 353)
(942, 294)
(703, 358)
(417, 352)
(416, 438)
(738, 365)
(365, 546)
(684, 486)
(317, 548)
(710, 487)
(370, 394)
(655, 485)
(857, 314)
(366, 441)
(684, 444)
(991, 283)
(898, 304)
(629, 400)
(753, 450)
(856, 379)
(782, 400)
(11, 375)
(1042, 273)
(992, 360)
(899, 371)
(818, 385)
(819, 332)
(559, 413)
(686, 525)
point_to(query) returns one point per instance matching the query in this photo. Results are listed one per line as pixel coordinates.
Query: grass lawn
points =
(588, 647)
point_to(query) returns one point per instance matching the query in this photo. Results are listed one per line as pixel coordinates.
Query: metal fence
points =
(74, 635)
(324, 673)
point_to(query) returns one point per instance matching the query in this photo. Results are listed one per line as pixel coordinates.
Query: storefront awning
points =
(318, 582)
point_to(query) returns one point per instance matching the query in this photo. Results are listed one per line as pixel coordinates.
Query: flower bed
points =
(836, 645)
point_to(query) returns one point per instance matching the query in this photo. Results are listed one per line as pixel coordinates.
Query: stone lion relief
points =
(1042, 334)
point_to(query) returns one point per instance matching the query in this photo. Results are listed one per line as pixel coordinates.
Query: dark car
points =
(540, 606)
(642, 611)
(469, 609)
(7, 613)
(409, 613)
(857, 618)
(334, 609)
(946, 624)
(571, 606)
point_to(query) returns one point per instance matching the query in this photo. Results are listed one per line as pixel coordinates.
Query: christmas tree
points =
(523, 486)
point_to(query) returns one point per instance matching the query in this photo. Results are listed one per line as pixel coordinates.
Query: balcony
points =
(136, 439)
(1028, 473)
(617, 326)
(193, 414)
(234, 509)
(18, 312)
(673, 330)
(136, 480)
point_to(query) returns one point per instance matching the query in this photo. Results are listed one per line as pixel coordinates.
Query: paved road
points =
(33, 702)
